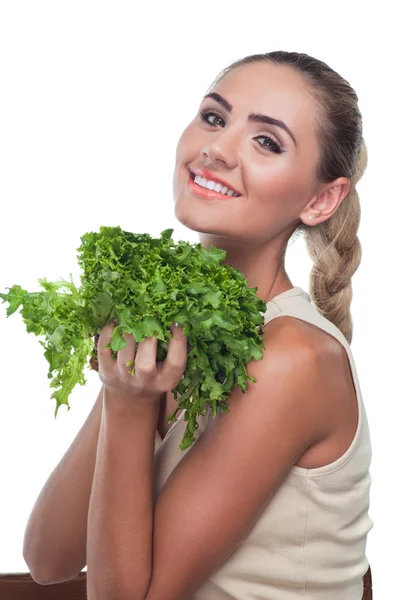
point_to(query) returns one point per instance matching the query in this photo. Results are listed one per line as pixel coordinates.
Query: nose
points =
(222, 149)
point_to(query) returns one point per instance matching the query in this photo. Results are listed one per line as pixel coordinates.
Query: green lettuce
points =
(146, 284)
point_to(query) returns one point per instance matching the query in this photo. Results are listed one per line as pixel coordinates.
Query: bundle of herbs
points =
(146, 284)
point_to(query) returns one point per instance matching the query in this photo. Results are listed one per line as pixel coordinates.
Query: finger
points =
(105, 354)
(176, 359)
(93, 361)
(145, 361)
(127, 353)
(94, 365)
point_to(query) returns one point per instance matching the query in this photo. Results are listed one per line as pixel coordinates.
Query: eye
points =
(205, 114)
(274, 146)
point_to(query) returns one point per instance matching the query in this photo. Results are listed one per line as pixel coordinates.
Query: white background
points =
(94, 97)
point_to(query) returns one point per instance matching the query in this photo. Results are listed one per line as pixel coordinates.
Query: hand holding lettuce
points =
(146, 284)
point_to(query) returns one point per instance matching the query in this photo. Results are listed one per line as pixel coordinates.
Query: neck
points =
(261, 264)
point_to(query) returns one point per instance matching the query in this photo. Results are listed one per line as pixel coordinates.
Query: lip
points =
(210, 175)
(206, 194)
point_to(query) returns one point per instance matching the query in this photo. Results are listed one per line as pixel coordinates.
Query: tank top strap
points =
(295, 302)
(286, 301)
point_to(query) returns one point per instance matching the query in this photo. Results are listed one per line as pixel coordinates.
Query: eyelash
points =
(277, 149)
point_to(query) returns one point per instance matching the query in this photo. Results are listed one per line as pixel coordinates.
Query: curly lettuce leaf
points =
(146, 284)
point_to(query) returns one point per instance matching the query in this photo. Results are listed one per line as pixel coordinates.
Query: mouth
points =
(210, 189)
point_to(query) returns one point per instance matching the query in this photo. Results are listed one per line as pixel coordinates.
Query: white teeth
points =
(213, 185)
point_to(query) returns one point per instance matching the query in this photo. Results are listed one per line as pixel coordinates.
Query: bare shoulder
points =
(309, 338)
(333, 387)
(301, 333)
(314, 342)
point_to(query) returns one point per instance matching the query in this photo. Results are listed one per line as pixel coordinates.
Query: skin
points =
(277, 190)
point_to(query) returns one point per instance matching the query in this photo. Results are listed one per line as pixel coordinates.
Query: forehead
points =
(277, 91)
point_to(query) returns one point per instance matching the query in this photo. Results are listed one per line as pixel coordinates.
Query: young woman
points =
(272, 500)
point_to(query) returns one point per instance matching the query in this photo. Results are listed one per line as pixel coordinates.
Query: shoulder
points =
(324, 360)
(295, 379)
(304, 341)
(301, 334)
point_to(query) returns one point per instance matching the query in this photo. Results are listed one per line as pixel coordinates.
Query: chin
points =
(193, 221)
(196, 215)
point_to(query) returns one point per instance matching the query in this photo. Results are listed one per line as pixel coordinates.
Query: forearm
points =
(55, 535)
(120, 518)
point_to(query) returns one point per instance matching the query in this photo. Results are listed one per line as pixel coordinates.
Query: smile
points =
(209, 189)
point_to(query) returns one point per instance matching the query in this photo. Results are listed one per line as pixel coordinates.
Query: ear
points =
(328, 199)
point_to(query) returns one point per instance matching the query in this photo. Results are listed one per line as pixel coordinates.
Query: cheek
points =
(278, 181)
(187, 153)
(180, 148)
(181, 158)
(185, 146)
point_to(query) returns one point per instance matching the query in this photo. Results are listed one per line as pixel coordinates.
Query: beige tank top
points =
(310, 541)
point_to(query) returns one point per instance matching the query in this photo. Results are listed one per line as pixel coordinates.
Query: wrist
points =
(121, 401)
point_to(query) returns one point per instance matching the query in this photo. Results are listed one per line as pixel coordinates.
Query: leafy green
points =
(146, 284)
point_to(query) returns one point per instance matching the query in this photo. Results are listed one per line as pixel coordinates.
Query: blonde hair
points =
(332, 244)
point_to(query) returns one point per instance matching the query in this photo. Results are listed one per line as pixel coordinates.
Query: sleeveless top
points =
(310, 541)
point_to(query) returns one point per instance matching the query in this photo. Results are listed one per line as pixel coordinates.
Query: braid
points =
(335, 249)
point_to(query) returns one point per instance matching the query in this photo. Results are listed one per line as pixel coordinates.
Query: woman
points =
(272, 500)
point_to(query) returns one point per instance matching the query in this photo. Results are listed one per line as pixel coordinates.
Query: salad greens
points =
(146, 284)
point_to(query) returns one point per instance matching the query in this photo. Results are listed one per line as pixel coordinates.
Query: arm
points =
(55, 537)
(139, 553)
(120, 519)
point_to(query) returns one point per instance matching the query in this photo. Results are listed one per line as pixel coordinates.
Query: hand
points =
(151, 379)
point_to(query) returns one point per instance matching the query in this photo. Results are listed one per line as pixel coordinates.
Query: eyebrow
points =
(253, 117)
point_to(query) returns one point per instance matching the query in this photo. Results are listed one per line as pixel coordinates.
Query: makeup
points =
(205, 194)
